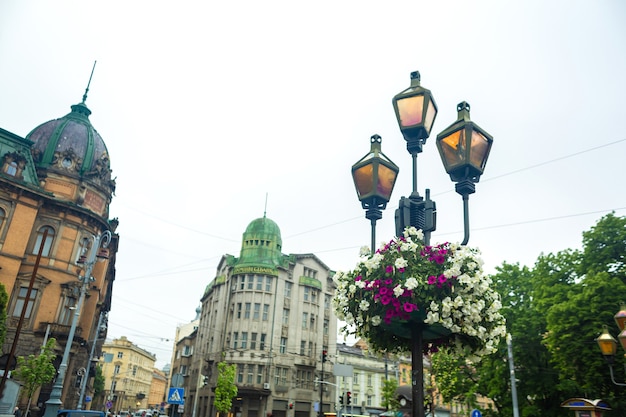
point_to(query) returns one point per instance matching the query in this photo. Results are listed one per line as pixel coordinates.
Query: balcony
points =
(58, 330)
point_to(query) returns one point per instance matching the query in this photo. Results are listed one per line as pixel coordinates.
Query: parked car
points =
(80, 413)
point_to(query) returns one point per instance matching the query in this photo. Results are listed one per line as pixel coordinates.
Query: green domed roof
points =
(261, 244)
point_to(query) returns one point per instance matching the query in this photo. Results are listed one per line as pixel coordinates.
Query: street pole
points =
(54, 403)
(83, 382)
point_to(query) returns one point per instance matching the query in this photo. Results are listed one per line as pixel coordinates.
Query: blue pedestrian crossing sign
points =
(176, 396)
(476, 413)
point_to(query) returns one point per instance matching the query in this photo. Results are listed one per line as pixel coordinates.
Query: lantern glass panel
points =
(386, 181)
(410, 110)
(364, 180)
(453, 148)
(431, 112)
(479, 149)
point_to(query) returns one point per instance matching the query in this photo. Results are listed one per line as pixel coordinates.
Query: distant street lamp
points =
(608, 344)
(464, 149)
(374, 177)
(98, 250)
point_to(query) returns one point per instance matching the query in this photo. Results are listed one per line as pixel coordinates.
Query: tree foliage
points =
(389, 399)
(35, 370)
(226, 389)
(554, 311)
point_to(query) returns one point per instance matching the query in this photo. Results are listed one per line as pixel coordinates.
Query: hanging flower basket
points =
(440, 291)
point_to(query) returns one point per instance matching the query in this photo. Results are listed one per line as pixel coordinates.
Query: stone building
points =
(55, 191)
(270, 315)
(128, 372)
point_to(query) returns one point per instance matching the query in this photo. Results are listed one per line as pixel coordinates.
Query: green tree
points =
(226, 389)
(390, 400)
(36, 370)
(4, 298)
(98, 382)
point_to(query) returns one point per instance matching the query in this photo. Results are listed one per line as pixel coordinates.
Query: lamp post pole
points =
(83, 382)
(464, 149)
(54, 402)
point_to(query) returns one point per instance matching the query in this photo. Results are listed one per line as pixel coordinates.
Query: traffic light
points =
(348, 398)
(341, 399)
(291, 406)
(205, 380)
(324, 356)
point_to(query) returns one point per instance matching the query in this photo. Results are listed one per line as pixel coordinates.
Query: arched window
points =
(47, 244)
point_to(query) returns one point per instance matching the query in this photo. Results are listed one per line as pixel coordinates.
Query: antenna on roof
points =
(89, 83)
(265, 209)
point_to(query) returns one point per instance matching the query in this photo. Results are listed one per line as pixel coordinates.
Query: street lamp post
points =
(464, 149)
(608, 344)
(374, 177)
(100, 242)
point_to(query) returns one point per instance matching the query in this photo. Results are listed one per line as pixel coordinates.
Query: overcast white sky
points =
(208, 106)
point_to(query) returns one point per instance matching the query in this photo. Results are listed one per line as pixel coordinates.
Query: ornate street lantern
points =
(464, 147)
(416, 111)
(374, 177)
(607, 343)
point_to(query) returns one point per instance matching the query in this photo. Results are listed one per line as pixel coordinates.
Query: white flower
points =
(411, 283)
(364, 305)
(400, 263)
(398, 291)
(376, 320)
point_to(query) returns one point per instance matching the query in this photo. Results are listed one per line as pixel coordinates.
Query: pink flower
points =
(408, 307)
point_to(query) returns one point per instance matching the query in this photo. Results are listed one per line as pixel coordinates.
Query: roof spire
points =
(265, 209)
(89, 83)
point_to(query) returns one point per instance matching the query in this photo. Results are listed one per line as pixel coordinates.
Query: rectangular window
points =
(266, 311)
(244, 340)
(307, 293)
(260, 370)
(250, 282)
(257, 311)
(285, 317)
(326, 324)
(120, 355)
(305, 320)
(262, 342)
(235, 339)
(268, 284)
(21, 299)
(239, 308)
(242, 285)
(280, 378)
(311, 273)
(369, 380)
(253, 341)
(314, 296)
(326, 302)
(302, 347)
(312, 322)
(355, 378)
(283, 345)
(369, 400)
(246, 313)
(250, 378)
(116, 369)
(259, 282)
(288, 286)
(240, 373)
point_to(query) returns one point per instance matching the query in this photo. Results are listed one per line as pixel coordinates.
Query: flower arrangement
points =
(441, 289)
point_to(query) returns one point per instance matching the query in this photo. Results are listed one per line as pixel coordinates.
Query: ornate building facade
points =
(270, 315)
(129, 375)
(55, 191)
